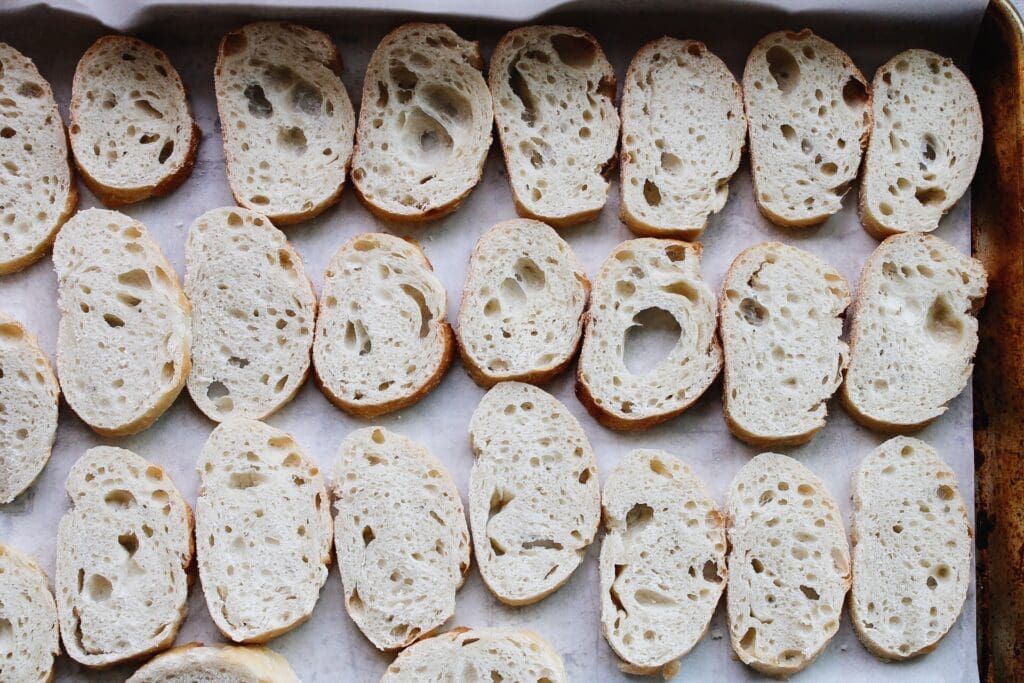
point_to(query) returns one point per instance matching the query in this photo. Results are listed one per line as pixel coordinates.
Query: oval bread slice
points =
(401, 537)
(29, 614)
(263, 529)
(39, 194)
(521, 316)
(195, 663)
(789, 565)
(123, 550)
(124, 335)
(253, 310)
(662, 561)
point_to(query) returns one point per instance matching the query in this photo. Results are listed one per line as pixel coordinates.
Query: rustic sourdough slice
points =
(809, 112)
(40, 193)
(263, 530)
(286, 119)
(662, 561)
(496, 654)
(131, 128)
(400, 535)
(924, 147)
(914, 334)
(123, 550)
(554, 107)
(195, 663)
(253, 309)
(521, 316)
(683, 131)
(382, 338)
(781, 323)
(656, 283)
(29, 614)
(424, 125)
(124, 335)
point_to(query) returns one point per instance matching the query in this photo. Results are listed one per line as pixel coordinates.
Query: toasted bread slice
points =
(195, 663)
(29, 614)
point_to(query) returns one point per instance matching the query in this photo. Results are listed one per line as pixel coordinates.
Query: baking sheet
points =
(329, 647)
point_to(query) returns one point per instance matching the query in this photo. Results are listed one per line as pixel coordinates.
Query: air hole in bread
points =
(356, 337)
(783, 68)
(259, 106)
(710, 572)
(6, 132)
(30, 89)
(652, 598)
(683, 288)
(113, 320)
(246, 480)
(543, 543)
(166, 151)
(292, 139)
(99, 588)
(147, 108)
(930, 196)
(521, 89)
(638, 517)
(306, 98)
(130, 543)
(421, 303)
(942, 322)
(650, 339)
(574, 51)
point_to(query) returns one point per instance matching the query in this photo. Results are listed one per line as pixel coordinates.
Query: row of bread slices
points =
(263, 537)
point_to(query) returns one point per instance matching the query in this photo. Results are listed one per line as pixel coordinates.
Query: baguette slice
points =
(924, 147)
(195, 663)
(662, 561)
(263, 526)
(911, 549)
(809, 112)
(914, 334)
(521, 316)
(124, 335)
(29, 614)
(253, 309)
(683, 130)
(28, 421)
(286, 119)
(789, 565)
(534, 498)
(648, 282)
(382, 338)
(554, 106)
(38, 193)
(131, 129)
(781, 321)
(123, 550)
(496, 654)
(401, 537)
(424, 125)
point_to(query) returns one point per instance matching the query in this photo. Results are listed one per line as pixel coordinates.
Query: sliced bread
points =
(781, 323)
(554, 106)
(809, 112)
(195, 663)
(253, 310)
(38, 192)
(424, 124)
(914, 332)
(286, 119)
(683, 131)
(401, 537)
(28, 615)
(521, 316)
(263, 525)
(124, 335)
(131, 128)
(654, 283)
(382, 337)
(123, 550)
(924, 147)
(662, 561)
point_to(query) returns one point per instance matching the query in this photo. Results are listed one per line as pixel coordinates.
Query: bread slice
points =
(656, 283)
(195, 663)
(781, 322)
(286, 119)
(521, 316)
(914, 334)
(554, 106)
(534, 498)
(131, 129)
(28, 420)
(662, 561)
(263, 529)
(401, 537)
(924, 147)
(789, 565)
(124, 335)
(809, 112)
(253, 309)
(123, 550)
(683, 131)
(911, 549)
(502, 654)
(29, 616)
(38, 193)
(424, 124)
(382, 338)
